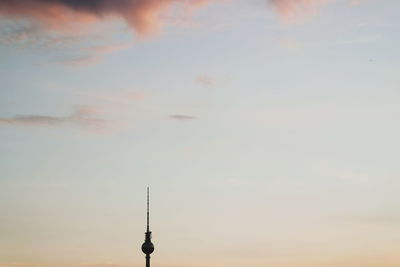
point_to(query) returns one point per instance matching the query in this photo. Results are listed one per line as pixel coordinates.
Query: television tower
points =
(147, 246)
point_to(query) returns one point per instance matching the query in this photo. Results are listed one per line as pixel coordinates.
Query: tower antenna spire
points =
(148, 210)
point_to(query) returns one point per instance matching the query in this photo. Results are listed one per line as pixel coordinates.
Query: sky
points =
(267, 130)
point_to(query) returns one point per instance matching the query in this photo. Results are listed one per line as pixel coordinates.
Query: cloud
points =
(117, 98)
(93, 55)
(32, 34)
(294, 10)
(182, 117)
(209, 81)
(74, 46)
(80, 61)
(205, 80)
(144, 16)
(82, 117)
(104, 49)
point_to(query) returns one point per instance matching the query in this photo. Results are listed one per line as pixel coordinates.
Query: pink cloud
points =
(205, 80)
(297, 10)
(144, 16)
(293, 10)
(105, 49)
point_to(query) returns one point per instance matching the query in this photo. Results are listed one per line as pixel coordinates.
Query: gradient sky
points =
(268, 132)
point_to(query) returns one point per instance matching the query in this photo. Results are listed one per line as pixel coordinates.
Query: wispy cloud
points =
(77, 48)
(85, 117)
(105, 49)
(205, 80)
(93, 55)
(182, 117)
(121, 97)
(212, 81)
(33, 35)
(144, 16)
(80, 60)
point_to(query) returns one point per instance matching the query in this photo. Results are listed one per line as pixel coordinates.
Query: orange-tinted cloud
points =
(142, 15)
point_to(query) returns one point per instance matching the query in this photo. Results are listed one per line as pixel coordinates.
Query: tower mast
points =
(148, 210)
(147, 246)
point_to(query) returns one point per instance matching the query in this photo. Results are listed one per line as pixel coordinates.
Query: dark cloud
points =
(83, 117)
(141, 15)
(182, 117)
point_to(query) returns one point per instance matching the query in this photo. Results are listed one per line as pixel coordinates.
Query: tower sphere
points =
(147, 247)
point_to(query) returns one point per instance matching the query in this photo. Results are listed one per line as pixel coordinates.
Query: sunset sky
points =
(267, 130)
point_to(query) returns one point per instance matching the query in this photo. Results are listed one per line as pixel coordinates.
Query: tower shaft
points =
(147, 246)
(148, 260)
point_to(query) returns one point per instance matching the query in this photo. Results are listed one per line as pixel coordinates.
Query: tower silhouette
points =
(147, 246)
